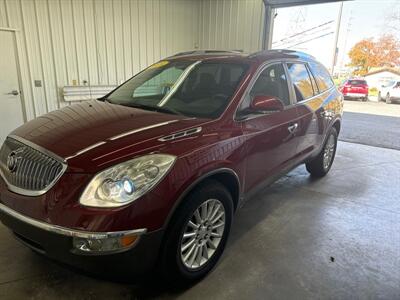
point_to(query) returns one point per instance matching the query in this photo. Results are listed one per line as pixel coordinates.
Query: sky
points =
(360, 19)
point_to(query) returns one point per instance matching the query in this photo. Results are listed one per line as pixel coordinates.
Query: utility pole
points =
(335, 49)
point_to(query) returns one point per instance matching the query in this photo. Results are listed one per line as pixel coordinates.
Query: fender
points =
(319, 149)
(194, 184)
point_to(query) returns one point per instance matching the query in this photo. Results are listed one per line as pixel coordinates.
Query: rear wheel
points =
(321, 165)
(198, 233)
(388, 99)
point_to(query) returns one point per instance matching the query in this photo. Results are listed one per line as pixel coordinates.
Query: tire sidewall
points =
(334, 133)
(174, 268)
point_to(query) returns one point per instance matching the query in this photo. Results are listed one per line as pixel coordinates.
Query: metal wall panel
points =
(66, 42)
(105, 42)
(231, 24)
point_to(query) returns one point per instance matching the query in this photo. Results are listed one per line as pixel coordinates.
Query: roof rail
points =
(202, 52)
(281, 51)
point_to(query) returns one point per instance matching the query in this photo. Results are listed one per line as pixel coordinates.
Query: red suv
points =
(151, 174)
(355, 89)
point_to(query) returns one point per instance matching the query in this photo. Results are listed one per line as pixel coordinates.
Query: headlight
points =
(125, 182)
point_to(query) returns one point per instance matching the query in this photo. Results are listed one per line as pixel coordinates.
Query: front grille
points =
(27, 170)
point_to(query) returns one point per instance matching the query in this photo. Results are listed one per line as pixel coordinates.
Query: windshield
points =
(193, 89)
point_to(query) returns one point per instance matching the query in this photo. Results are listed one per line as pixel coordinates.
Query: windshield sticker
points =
(159, 64)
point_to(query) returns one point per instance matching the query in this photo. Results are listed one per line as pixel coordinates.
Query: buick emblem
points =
(13, 160)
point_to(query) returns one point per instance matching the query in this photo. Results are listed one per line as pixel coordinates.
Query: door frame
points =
(18, 65)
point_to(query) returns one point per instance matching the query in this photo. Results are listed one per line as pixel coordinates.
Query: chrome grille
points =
(27, 170)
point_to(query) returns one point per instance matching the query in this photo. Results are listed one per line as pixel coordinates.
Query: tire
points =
(174, 268)
(388, 99)
(379, 97)
(318, 167)
(365, 99)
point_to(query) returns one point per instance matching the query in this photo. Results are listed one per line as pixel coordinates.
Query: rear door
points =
(309, 104)
(271, 137)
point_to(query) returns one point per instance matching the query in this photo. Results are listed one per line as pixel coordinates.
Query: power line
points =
(315, 38)
(304, 31)
(304, 36)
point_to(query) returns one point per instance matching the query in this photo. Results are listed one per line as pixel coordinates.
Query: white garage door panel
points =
(10, 105)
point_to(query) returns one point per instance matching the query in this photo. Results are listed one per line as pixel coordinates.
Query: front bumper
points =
(57, 243)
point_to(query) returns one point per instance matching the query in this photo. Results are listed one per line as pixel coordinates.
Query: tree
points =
(367, 53)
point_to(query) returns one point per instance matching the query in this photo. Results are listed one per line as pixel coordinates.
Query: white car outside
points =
(389, 92)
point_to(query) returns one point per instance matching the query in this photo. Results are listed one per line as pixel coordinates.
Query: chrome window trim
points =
(67, 231)
(260, 69)
(25, 192)
(297, 61)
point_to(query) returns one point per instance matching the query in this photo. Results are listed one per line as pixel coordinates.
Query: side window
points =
(301, 81)
(272, 82)
(321, 75)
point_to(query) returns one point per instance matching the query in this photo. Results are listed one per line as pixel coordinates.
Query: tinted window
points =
(301, 81)
(357, 82)
(272, 82)
(321, 75)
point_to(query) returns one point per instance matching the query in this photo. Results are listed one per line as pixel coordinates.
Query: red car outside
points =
(355, 89)
(151, 174)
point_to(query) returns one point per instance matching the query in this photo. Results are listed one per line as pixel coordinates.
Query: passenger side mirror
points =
(263, 103)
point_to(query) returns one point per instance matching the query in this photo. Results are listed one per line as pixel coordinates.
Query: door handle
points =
(14, 92)
(292, 128)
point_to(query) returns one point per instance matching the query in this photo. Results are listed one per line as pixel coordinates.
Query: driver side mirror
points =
(263, 103)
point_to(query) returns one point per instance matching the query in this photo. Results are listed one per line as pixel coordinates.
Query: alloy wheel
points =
(203, 234)
(329, 151)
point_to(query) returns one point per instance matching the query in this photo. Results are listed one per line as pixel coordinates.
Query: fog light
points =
(103, 245)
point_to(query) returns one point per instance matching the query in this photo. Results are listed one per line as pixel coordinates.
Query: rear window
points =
(321, 75)
(357, 82)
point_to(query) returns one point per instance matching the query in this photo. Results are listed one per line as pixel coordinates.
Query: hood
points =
(94, 134)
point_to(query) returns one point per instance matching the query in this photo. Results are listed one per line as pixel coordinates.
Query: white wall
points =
(101, 41)
(231, 24)
(65, 42)
(377, 79)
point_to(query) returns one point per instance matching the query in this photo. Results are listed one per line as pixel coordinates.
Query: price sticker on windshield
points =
(159, 64)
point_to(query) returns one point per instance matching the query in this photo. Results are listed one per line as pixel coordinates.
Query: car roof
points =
(237, 55)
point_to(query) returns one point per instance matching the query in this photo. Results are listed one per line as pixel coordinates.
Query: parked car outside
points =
(150, 176)
(389, 92)
(355, 89)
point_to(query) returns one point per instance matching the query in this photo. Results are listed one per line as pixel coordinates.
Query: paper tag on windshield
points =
(159, 64)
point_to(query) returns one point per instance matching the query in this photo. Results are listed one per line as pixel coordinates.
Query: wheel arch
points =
(337, 125)
(226, 176)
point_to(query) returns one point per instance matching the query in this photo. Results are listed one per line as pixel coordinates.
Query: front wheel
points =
(198, 233)
(321, 165)
(388, 99)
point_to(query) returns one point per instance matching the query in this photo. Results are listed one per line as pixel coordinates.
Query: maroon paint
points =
(254, 149)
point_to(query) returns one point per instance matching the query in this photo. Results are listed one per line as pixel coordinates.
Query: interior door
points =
(271, 137)
(11, 115)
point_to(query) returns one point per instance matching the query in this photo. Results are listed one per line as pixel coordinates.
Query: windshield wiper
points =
(156, 108)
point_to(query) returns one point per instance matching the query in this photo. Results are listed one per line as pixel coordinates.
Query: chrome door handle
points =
(14, 92)
(292, 128)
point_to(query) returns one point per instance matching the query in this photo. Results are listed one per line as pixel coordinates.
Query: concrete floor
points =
(338, 237)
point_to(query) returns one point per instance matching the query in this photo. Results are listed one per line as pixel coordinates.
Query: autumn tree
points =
(368, 53)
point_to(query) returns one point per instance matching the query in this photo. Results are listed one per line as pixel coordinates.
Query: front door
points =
(11, 115)
(271, 138)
